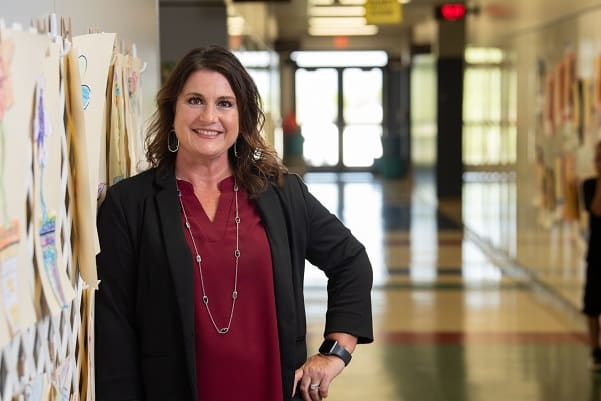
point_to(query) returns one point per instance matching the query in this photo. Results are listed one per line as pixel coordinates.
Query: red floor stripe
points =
(445, 337)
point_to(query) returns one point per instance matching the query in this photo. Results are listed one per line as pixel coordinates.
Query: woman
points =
(202, 257)
(591, 191)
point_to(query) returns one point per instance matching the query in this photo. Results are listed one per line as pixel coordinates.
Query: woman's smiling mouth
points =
(205, 132)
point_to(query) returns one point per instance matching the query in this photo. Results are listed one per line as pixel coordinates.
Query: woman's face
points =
(206, 118)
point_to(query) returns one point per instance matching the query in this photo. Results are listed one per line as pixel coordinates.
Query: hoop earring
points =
(171, 145)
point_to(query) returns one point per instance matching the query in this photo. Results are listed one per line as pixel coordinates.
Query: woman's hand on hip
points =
(315, 376)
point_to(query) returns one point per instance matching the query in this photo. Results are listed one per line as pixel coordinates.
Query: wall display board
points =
(568, 125)
(69, 107)
(22, 61)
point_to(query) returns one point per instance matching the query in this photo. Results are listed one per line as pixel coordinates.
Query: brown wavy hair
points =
(257, 162)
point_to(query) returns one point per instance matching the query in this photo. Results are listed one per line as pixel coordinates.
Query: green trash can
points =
(293, 145)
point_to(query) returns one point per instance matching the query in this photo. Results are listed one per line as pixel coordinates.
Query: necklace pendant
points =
(198, 258)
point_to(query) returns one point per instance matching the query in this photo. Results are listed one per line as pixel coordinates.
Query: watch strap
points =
(331, 347)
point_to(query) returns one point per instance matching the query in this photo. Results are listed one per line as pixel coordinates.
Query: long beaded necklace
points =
(205, 298)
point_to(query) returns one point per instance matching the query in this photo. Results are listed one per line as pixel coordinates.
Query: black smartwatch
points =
(331, 347)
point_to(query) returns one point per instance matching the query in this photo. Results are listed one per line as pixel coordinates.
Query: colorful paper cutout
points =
(9, 287)
(47, 232)
(29, 51)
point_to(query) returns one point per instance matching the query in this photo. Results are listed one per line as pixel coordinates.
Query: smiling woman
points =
(205, 253)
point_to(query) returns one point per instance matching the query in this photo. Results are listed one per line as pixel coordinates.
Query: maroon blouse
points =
(245, 362)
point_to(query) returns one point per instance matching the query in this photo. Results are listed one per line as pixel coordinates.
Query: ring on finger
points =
(314, 387)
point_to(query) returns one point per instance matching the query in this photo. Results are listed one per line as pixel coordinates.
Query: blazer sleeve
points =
(332, 247)
(116, 351)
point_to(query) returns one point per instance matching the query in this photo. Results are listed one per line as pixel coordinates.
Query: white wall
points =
(535, 36)
(135, 21)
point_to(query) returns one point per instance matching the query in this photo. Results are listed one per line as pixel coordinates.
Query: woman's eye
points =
(195, 100)
(226, 103)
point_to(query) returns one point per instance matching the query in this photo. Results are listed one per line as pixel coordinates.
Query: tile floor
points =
(462, 309)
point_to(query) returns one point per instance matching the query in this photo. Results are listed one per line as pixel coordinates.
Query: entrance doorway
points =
(339, 109)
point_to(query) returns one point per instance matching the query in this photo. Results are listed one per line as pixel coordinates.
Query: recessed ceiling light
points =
(333, 11)
(337, 21)
(352, 2)
(362, 30)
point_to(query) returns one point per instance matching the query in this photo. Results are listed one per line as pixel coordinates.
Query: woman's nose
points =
(208, 113)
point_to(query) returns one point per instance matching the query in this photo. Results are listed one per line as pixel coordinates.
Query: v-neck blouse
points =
(245, 362)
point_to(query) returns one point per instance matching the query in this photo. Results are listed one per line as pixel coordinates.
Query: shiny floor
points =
(455, 317)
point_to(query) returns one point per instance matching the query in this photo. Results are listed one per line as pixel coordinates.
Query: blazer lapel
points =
(276, 226)
(180, 263)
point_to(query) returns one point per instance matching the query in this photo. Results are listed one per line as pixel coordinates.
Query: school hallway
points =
(468, 304)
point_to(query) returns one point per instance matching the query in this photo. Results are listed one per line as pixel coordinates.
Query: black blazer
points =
(144, 313)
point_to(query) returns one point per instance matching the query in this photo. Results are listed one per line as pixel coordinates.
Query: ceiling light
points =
(235, 25)
(351, 2)
(337, 21)
(362, 30)
(321, 2)
(353, 58)
(342, 11)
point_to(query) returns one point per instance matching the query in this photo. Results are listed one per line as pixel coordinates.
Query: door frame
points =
(340, 123)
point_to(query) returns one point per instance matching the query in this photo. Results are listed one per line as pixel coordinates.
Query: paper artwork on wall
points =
(61, 384)
(17, 274)
(57, 288)
(133, 111)
(549, 110)
(577, 114)
(85, 213)
(559, 98)
(38, 389)
(5, 336)
(550, 198)
(86, 91)
(569, 64)
(9, 228)
(97, 51)
(570, 187)
(9, 281)
(118, 155)
(558, 167)
(88, 302)
(540, 177)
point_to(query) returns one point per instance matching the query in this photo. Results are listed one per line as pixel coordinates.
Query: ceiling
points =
(292, 24)
(496, 20)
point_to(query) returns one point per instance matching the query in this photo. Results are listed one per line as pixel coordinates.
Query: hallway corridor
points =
(454, 319)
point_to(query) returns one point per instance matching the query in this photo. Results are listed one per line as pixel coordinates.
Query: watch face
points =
(331, 347)
(327, 346)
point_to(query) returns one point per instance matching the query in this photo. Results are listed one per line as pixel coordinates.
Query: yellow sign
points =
(382, 12)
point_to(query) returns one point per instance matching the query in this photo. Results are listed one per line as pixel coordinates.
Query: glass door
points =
(340, 114)
(362, 111)
(317, 115)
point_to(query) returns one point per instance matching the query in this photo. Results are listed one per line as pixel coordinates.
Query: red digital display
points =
(451, 11)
